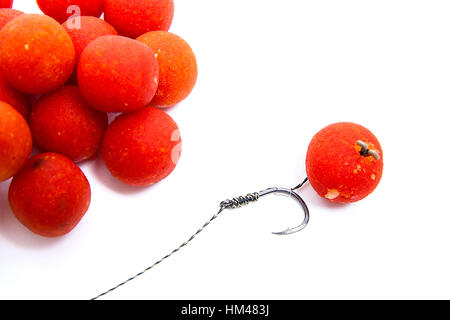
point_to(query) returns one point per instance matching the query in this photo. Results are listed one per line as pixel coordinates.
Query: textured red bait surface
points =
(89, 29)
(117, 74)
(337, 167)
(6, 15)
(16, 99)
(6, 3)
(177, 67)
(50, 195)
(57, 9)
(15, 141)
(36, 54)
(62, 122)
(143, 147)
(134, 18)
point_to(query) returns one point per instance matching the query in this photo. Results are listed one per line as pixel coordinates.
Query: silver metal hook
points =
(252, 197)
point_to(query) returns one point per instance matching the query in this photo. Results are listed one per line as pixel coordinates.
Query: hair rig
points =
(344, 163)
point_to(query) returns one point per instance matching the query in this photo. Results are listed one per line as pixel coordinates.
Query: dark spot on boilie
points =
(37, 164)
(62, 204)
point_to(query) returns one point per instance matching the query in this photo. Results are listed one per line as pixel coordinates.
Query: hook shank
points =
(252, 197)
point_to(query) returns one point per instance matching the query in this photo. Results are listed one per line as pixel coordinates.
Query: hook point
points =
(295, 196)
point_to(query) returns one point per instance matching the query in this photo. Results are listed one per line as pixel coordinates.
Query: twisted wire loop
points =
(240, 201)
(165, 257)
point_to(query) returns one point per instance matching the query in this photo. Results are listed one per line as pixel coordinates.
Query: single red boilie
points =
(117, 74)
(6, 15)
(15, 141)
(60, 10)
(62, 122)
(177, 67)
(50, 195)
(16, 99)
(134, 18)
(36, 54)
(83, 30)
(143, 147)
(6, 3)
(344, 162)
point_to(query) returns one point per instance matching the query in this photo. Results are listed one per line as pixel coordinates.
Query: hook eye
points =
(294, 195)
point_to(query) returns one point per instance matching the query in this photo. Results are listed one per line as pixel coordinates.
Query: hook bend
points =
(295, 196)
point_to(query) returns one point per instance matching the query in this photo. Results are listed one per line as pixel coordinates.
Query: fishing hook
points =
(251, 197)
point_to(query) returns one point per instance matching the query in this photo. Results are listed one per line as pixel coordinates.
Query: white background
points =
(271, 74)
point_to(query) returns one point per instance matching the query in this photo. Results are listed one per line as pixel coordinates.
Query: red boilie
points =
(177, 67)
(62, 122)
(143, 147)
(117, 74)
(344, 162)
(36, 54)
(50, 195)
(134, 18)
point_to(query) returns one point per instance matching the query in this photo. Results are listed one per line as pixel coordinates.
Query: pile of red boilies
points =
(60, 74)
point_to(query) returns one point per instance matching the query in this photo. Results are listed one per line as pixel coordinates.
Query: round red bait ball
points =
(337, 166)
(6, 15)
(57, 9)
(117, 74)
(134, 18)
(143, 147)
(16, 99)
(177, 67)
(36, 54)
(15, 141)
(6, 3)
(50, 195)
(62, 122)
